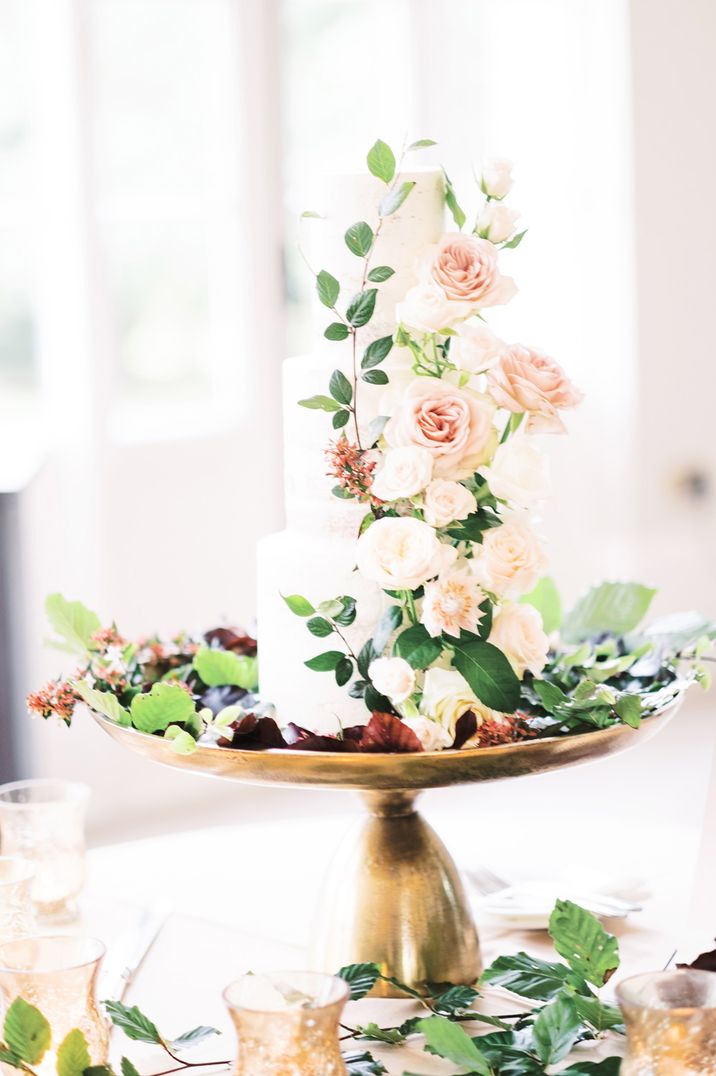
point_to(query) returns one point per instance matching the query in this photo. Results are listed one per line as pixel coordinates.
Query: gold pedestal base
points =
(394, 897)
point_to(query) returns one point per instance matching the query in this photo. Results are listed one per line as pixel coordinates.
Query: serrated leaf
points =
(359, 239)
(298, 604)
(26, 1032)
(458, 214)
(361, 978)
(340, 419)
(361, 307)
(218, 668)
(325, 662)
(391, 1035)
(336, 331)
(422, 143)
(166, 704)
(515, 241)
(489, 674)
(103, 702)
(393, 200)
(454, 999)
(375, 377)
(610, 607)
(380, 274)
(546, 600)
(381, 161)
(362, 1063)
(600, 1016)
(582, 941)
(539, 980)
(328, 288)
(449, 1040)
(73, 1055)
(320, 403)
(132, 1021)
(196, 1035)
(319, 626)
(340, 387)
(74, 622)
(376, 352)
(556, 1029)
(417, 647)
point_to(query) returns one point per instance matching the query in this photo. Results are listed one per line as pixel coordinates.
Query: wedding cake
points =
(316, 553)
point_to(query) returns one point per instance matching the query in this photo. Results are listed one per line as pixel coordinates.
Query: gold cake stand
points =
(394, 895)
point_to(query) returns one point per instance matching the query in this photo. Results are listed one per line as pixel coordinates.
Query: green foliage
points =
(340, 387)
(489, 674)
(336, 331)
(629, 709)
(359, 239)
(381, 161)
(454, 1000)
(193, 1037)
(389, 622)
(328, 289)
(319, 626)
(417, 647)
(361, 307)
(298, 604)
(326, 662)
(458, 214)
(361, 978)
(375, 377)
(73, 622)
(219, 667)
(395, 197)
(610, 1066)
(546, 600)
(515, 241)
(361, 1063)
(166, 704)
(320, 403)
(556, 1029)
(599, 1016)
(132, 1021)
(610, 607)
(73, 1055)
(103, 702)
(422, 143)
(391, 1035)
(526, 975)
(341, 419)
(380, 273)
(343, 671)
(182, 742)
(376, 352)
(583, 942)
(26, 1032)
(127, 1067)
(449, 1040)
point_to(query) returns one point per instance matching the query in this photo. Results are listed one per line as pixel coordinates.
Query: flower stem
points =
(410, 605)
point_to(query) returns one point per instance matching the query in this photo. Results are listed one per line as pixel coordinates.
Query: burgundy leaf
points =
(465, 728)
(387, 733)
(254, 733)
(704, 962)
(235, 639)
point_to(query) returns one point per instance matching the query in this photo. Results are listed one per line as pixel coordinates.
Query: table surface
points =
(242, 898)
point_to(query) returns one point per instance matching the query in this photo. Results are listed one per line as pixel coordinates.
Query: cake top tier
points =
(347, 198)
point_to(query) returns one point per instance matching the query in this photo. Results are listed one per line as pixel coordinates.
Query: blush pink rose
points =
(525, 380)
(455, 424)
(465, 268)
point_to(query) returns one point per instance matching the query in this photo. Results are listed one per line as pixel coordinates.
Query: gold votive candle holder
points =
(670, 1020)
(57, 974)
(16, 911)
(44, 821)
(287, 1024)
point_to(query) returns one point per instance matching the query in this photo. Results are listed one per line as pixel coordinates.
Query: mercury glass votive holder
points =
(287, 1024)
(57, 974)
(670, 1019)
(44, 821)
(16, 911)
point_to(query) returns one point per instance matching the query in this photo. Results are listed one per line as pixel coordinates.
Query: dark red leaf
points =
(384, 732)
(465, 728)
(235, 639)
(704, 962)
(253, 733)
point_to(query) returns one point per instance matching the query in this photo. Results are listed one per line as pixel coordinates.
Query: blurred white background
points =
(154, 157)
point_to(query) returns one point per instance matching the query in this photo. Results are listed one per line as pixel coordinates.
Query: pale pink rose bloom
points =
(455, 424)
(428, 309)
(526, 380)
(392, 677)
(465, 268)
(496, 221)
(475, 347)
(402, 553)
(497, 177)
(431, 734)
(517, 631)
(510, 560)
(451, 603)
(445, 501)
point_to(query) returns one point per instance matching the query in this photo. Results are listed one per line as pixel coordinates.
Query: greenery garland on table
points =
(563, 1008)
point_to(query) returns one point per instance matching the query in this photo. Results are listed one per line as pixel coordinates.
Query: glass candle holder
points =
(670, 1020)
(57, 974)
(45, 821)
(16, 913)
(287, 1024)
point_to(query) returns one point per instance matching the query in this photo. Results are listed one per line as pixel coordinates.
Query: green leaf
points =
(450, 1041)
(527, 976)
(546, 600)
(391, 1035)
(360, 977)
(132, 1022)
(319, 626)
(417, 647)
(340, 419)
(336, 331)
(380, 273)
(375, 377)
(451, 202)
(361, 307)
(310, 214)
(26, 1032)
(610, 607)
(489, 674)
(220, 667)
(166, 704)
(556, 1029)
(344, 671)
(73, 1055)
(549, 695)
(376, 352)
(340, 387)
(325, 662)
(515, 241)
(389, 622)
(320, 403)
(127, 1067)
(328, 288)
(74, 622)
(610, 1066)
(298, 604)
(375, 428)
(359, 239)
(7, 1057)
(182, 742)
(629, 709)
(583, 942)
(347, 613)
(422, 143)
(381, 161)
(453, 1000)
(600, 1016)
(103, 702)
(362, 1064)
(191, 1038)
(393, 200)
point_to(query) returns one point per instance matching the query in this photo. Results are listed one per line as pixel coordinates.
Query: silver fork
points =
(486, 883)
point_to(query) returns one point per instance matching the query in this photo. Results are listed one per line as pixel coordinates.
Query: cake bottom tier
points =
(319, 568)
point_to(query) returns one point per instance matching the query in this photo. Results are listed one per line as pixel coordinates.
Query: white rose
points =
(432, 736)
(427, 309)
(496, 222)
(497, 177)
(446, 697)
(404, 473)
(402, 553)
(510, 560)
(517, 631)
(445, 501)
(392, 677)
(476, 347)
(519, 473)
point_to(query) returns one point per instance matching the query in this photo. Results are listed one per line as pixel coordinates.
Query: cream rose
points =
(475, 347)
(446, 501)
(432, 735)
(517, 631)
(510, 560)
(402, 553)
(428, 309)
(497, 177)
(446, 697)
(455, 424)
(392, 677)
(405, 472)
(452, 602)
(496, 222)
(519, 473)
(527, 380)
(465, 268)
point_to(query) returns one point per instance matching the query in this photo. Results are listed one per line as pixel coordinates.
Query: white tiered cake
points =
(315, 555)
